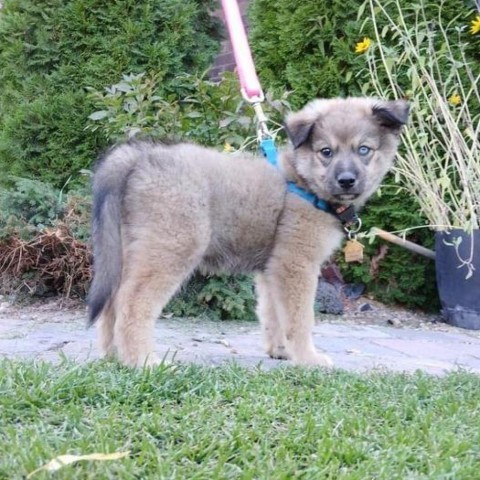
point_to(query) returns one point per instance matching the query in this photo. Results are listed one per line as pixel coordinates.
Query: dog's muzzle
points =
(346, 181)
(346, 187)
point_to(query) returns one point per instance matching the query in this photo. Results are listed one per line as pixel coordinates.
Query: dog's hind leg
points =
(105, 327)
(142, 295)
(273, 333)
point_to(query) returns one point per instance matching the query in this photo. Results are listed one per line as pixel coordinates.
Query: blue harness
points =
(269, 150)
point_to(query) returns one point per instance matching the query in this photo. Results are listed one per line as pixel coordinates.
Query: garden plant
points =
(427, 60)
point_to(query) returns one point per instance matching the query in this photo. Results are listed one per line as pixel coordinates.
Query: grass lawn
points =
(227, 423)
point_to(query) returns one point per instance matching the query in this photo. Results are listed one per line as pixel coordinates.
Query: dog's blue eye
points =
(364, 150)
(326, 152)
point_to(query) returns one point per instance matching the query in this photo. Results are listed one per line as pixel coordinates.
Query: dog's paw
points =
(141, 361)
(315, 359)
(108, 353)
(278, 352)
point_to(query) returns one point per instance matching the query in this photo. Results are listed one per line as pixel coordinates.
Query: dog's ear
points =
(299, 126)
(392, 114)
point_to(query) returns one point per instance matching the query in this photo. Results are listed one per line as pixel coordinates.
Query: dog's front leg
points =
(272, 330)
(292, 290)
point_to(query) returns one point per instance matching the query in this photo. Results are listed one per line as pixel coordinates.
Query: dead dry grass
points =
(53, 261)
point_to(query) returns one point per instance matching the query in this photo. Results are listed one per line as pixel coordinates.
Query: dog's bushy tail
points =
(109, 184)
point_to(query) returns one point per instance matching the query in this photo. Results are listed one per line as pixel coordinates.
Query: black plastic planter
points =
(460, 296)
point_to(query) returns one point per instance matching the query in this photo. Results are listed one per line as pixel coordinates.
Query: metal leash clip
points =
(256, 103)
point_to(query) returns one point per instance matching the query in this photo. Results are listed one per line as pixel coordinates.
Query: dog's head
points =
(342, 148)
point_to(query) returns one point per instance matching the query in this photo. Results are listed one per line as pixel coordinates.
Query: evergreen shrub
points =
(51, 51)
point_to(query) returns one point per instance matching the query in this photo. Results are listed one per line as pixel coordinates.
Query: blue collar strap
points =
(267, 145)
(346, 214)
(309, 197)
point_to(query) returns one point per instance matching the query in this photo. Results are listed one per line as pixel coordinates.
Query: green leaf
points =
(361, 10)
(98, 115)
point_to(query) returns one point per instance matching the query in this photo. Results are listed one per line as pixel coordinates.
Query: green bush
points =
(43, 239)
(221, 297)
(30, 201)
(52, 50)
(198, 110)
(306, 47)
(29, 207)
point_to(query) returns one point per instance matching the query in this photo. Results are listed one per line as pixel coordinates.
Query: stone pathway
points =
(48, 333)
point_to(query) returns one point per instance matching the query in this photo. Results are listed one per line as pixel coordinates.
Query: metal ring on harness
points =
(352, 232)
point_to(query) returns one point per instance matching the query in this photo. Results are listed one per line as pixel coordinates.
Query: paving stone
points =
(352, 347)
(350, 331)
(331, 329)
(428, 335)
(434, 350)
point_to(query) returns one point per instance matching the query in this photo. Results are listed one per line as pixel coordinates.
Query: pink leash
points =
(249, 83)
(251, 89)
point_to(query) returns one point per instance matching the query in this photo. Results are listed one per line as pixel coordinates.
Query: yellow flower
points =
(475, 25)
(455, 99)
(363, 46)
(228, 148)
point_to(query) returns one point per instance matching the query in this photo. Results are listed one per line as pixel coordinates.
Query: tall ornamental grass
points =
(440, 164)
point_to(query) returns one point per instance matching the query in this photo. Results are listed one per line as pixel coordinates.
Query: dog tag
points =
(353, 251)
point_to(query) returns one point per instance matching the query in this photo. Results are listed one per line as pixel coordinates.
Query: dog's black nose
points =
(346, 180)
